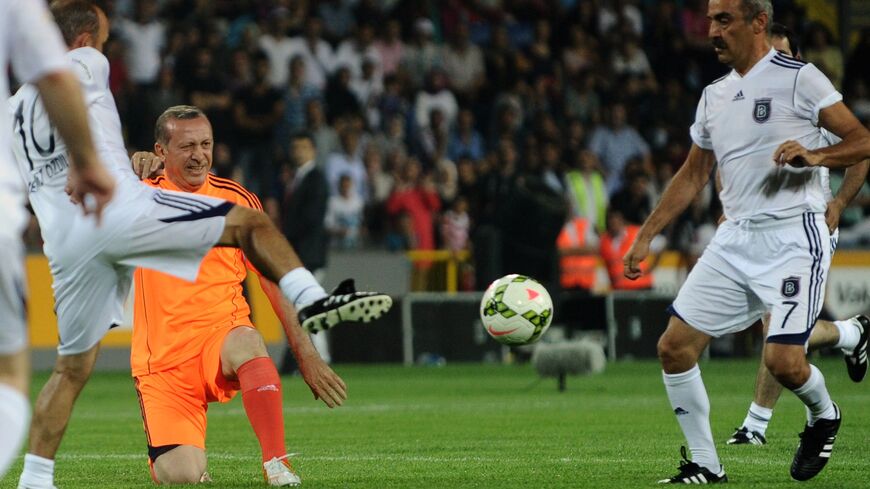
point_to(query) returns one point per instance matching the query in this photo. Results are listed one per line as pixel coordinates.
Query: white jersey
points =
(41, 153)
(30, 41)
(744, 119)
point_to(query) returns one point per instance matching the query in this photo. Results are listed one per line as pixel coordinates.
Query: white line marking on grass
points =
(332, 458)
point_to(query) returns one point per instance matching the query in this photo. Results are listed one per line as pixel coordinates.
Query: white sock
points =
(815, 397)
(757, 418)
(849, 335)
(689, 400)
(14, 420)
(301, 288)
(38, 472)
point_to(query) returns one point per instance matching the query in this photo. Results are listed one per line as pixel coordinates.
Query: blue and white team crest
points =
(761, 111)
(791, 286)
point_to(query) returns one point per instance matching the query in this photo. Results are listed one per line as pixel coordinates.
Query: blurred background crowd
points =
(507, 128)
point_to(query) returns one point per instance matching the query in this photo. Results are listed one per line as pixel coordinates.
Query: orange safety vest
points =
(577, 271)
(613, 261)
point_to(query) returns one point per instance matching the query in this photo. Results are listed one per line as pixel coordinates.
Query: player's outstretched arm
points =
(852, 183)
(854, 147)
(324, 383)
(687, 182)
(62, 98)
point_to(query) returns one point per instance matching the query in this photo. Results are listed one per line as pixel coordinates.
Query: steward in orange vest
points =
(615, 243)
(577, 259)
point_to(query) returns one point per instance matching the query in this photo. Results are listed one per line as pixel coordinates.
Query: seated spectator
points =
(634, 200)
(455, 226)
(435, 96)
(415, 194)
(463, 63)
(297, 95)
(316, 51)
(390, 47)
(465, 140)
(344, 215)
(353, 52)
(617, 142)
(339, 98)
(422, 55)
(347, 161)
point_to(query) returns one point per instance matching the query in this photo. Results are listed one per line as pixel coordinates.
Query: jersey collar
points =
(758, 66)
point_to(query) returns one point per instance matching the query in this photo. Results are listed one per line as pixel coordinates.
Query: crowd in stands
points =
(442, 123)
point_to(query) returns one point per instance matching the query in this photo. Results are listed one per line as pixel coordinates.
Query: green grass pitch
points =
(473, 426)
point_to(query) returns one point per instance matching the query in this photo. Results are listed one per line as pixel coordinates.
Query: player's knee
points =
(249, 341)
(790, 372)
(74, 372)
(670, 353)
(181, 475)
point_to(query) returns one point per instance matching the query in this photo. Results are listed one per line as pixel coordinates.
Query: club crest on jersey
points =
(791, 286)
(761, 111)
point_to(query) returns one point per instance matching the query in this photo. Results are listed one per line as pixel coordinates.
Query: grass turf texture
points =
(473, 426)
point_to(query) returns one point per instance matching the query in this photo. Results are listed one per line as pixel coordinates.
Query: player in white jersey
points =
(772, 253)
(850, 335)
(31, 44)
(92, 263)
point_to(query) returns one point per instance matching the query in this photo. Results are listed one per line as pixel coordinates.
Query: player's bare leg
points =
(184, 464)
(272, 255)
(51, 414)
(679, 348)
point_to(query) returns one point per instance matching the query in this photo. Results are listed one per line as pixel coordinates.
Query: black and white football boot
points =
(814, 449)
(745, 437)
(692, 473)
(856, 362)
(344, 305)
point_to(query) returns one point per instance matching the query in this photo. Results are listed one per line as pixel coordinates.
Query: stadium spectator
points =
(277, 46)
(615, 244)
(390, 47)
(463, 64)
(821, 49)
(857, 68)
(339, 98)
(464, 139)
(206, 89)
(353, 52)
(257, 111)
(316, 51)
(297, 95)
(615, 144)
(435, 95)
(415, 194)
(422, 55)
(580, 55)
(144, 38)
(634, 200)
(615, 13)
(337, 18)
(368, 88)
(303, 212)
(587, 194)
(325, 137)
(344, 216)
(347, 161)
(578, 255)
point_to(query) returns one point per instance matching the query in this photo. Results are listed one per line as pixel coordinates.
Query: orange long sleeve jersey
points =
(173, 317)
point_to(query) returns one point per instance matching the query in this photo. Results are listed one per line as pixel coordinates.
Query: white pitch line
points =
(332, 458)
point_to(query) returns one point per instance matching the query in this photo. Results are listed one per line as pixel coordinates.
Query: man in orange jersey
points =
(193, 343)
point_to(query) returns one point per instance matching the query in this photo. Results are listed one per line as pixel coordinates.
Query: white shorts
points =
(142, 227)
(751, 268)
(13, 332)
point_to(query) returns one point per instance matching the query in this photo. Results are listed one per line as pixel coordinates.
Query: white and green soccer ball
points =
(516, 310)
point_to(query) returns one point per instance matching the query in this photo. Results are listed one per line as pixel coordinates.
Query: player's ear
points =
(159, 150)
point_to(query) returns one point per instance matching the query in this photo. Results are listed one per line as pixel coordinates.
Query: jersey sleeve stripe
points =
(250, 198)
(789, 59)
(234, 184)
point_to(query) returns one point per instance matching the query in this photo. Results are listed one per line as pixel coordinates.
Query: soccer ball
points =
(516, 310)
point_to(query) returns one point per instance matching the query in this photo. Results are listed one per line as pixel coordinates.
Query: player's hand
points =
(90, 187)
(325, 384)
(631, 261)
(832, 214)
(792, 153)
(146, 164)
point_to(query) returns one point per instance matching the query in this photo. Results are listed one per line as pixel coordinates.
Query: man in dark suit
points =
(302, 214)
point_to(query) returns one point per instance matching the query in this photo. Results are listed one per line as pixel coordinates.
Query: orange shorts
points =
(174, 402)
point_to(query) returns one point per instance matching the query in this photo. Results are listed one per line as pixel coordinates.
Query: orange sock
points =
(261, 395)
